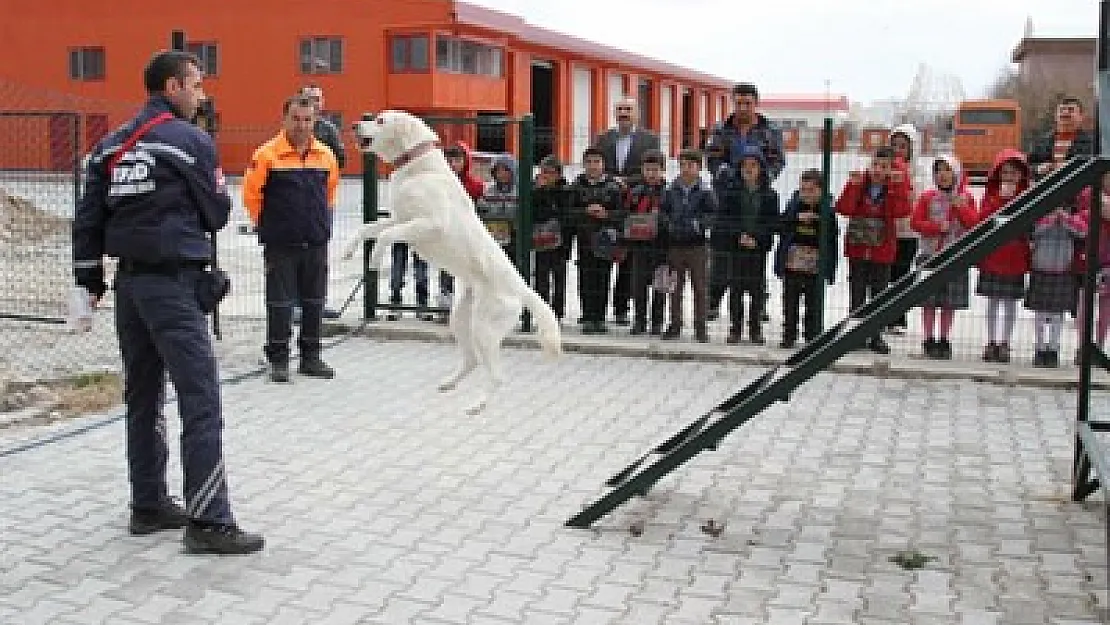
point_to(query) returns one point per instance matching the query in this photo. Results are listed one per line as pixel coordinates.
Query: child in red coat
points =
(1002, 273)
(942, 215)
(873, 201)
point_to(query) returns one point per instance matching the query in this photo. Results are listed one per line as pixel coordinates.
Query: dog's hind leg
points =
(461, 317)
(499, 315)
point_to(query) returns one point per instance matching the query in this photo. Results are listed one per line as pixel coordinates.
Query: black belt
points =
(168, 268)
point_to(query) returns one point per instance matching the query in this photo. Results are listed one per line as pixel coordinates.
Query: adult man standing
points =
(154, 192)
(727, 142)
(623, 149)
(289, 193)
(323, 129)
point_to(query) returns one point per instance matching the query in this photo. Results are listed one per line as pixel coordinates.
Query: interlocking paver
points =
(383, 503)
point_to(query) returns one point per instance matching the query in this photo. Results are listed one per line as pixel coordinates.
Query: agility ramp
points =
(779, 382)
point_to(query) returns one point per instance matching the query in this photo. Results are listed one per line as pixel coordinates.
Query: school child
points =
(903, 139)
(1052, 286)
(873, 201)
(742, 236)
(942, 215)
(798, 260)
(644, 241)
(688, 206)
(599, 215)
(1002, 273)
(550, 240)
(497, 207)
(1082, 220)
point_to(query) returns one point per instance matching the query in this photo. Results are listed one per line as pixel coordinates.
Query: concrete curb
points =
(749, 355)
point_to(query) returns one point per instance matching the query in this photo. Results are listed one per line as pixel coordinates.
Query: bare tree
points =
(1038, 94)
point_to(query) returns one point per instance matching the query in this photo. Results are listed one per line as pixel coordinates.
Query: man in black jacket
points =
(154, 192)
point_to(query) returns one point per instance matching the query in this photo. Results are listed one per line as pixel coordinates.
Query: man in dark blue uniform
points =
(153, 193)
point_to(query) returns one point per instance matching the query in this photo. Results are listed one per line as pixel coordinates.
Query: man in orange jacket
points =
(289, 192)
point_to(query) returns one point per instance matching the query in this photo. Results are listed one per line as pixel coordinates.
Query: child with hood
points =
(498, 205)
(1081, 221)
(742, 236)
(1002, 273)
(941, 216)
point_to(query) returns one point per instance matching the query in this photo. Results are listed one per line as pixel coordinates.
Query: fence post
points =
(369, 214)
(527, 129)
(826, 221)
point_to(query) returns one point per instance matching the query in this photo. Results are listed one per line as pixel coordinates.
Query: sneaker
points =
(621, 319)
(168, 516)
(315, 368)
(221, 540)
(656, 330)
(1052, 359)
(929, 348)
(392, 315)
(944, 349)
(733, 336)
(1002, 353)
(672, 333)
(878, 345)
(638, 329)
(756, 336)
(1039, 358)
(787, 343)
(279, 372)
(701, 337)
(713, 314)
(990, 353)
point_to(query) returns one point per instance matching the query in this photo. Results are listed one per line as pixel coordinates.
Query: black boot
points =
(314, 367)
(220, 539)
(279, 372)
(167, 516)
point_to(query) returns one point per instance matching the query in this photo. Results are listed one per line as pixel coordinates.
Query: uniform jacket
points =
(688, 215)
(553, 201)
(158, 205)
(731, 221)
(290, 196)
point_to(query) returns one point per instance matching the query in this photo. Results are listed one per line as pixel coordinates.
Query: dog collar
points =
(418, 150)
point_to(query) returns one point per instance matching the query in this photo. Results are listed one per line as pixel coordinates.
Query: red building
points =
(429, 56)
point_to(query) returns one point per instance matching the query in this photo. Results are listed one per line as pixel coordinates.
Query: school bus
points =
(981, 128)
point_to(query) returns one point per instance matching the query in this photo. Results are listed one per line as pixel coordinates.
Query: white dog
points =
(432, 212)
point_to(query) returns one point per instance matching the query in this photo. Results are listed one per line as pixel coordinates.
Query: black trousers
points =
(866, 279)
(747, 273)
(593, 285)
(162, 331)
(799, 288)
(294, 274)
(551, 279)
(642, 262)
(903, 263)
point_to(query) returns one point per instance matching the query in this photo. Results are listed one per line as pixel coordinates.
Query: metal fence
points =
(40, 180)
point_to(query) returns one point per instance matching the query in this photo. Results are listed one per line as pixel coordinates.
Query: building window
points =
(459, 56)
(321, 55)
(209, 55)
(409, 53)
(86, 63)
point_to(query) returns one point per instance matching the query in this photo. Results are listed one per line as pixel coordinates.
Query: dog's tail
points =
(551, 340)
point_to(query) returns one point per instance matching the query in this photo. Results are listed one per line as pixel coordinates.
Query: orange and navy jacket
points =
(290, 196)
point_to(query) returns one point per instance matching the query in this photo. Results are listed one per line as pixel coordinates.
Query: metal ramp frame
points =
(776, 384)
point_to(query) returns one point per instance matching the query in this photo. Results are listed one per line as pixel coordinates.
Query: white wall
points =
(581, 99)
(703, 110)
(666, 132)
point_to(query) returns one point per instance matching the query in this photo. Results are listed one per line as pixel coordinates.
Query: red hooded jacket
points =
(854, 202)
(1012, 258)
(473, 184)
(1081, 221)
(935, 236)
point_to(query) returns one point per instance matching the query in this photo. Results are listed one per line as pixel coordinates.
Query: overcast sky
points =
(866, 49)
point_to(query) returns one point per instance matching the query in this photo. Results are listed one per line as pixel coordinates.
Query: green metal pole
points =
(369, 214)
(826, 221)
(527, 130)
